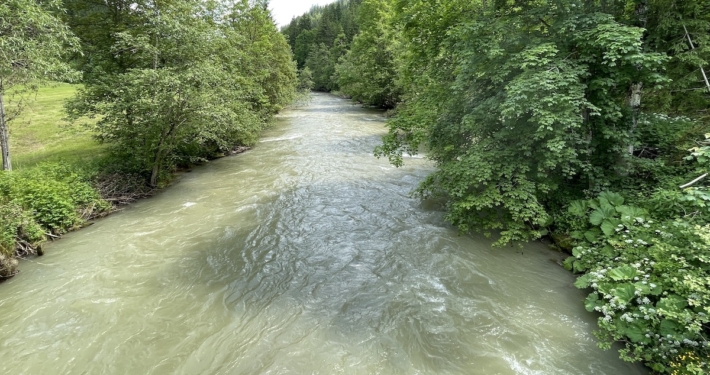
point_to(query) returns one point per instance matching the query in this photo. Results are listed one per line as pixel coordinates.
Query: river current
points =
(305, 255)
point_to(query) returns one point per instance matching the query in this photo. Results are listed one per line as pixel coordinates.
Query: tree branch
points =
(692, 48)
(691, 183)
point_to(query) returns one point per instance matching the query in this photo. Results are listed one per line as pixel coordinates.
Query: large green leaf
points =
(625, 292)
(672, 304)
(597, 217)
(608, 227)
(578, 267)
(568, 264)
(577, 235)
(592, 235)
(578, 208)
(593, 203)
(591, 302)
(635, 331)
(623, 273)
(612, 198)
(669, 327)
(657, 290)
(608, 251)
(600, 214)
(583, 281)
(629, 213)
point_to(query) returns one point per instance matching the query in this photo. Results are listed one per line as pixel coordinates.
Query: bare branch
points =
(691, 183)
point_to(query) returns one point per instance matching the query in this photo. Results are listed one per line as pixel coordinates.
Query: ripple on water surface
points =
(305, 255)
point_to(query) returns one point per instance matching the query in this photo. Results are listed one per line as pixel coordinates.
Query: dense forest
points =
(582, 121)
(165, 84)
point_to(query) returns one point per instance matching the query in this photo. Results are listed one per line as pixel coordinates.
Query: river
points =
(305, 255)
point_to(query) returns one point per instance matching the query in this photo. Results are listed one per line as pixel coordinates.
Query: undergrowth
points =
(46, 201)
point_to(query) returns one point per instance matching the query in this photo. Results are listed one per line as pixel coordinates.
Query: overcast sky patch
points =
(285, 10)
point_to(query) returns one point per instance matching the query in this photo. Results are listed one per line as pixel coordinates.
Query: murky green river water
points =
(303, 256)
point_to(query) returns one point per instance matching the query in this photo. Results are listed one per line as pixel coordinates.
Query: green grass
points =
(41, 135)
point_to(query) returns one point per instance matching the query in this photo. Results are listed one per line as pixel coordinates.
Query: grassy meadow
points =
(41, 134)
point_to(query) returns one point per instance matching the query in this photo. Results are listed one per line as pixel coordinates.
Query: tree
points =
(332, 24)
(188, 80)
(263, 54)
(303, 45)
(34, 42)
(320, 64)
(305, 80)
(518, 105)
(368, 72)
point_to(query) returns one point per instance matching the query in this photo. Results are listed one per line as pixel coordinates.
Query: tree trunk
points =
(4, 136)
(635, 104)
(154, 174)
(157, 161)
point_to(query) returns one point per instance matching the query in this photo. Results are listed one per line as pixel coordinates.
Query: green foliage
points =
(16, 223)
(322, 24)
(303, 45)
(185, 86)
(649, 280)
(34, 42)
(368, 71)
(50, 198)
(666, 23)
(352, 47)
(322, 37)
(319, 63)
(520, 109)
(305, 80)
(529, 109)
(56, 196)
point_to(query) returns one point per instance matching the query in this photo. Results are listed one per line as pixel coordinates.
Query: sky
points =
(284, 10)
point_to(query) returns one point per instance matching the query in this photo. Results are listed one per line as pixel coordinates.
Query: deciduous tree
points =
(33, 44)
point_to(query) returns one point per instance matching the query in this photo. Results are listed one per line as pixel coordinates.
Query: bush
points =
(49, 198)
(650, 281)
(57, 196)
(15, 225)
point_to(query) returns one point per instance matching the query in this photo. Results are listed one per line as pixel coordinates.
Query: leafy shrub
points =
(55, 195)
(15, 223)
(650, 281)
(49, 198)
(666, 136)
(692, 204)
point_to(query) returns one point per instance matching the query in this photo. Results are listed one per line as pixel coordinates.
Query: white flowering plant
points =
(649, 280)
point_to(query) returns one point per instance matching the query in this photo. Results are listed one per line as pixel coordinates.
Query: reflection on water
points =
(305, 255)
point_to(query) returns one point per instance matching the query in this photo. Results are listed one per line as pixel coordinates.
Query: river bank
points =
(104, 193)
